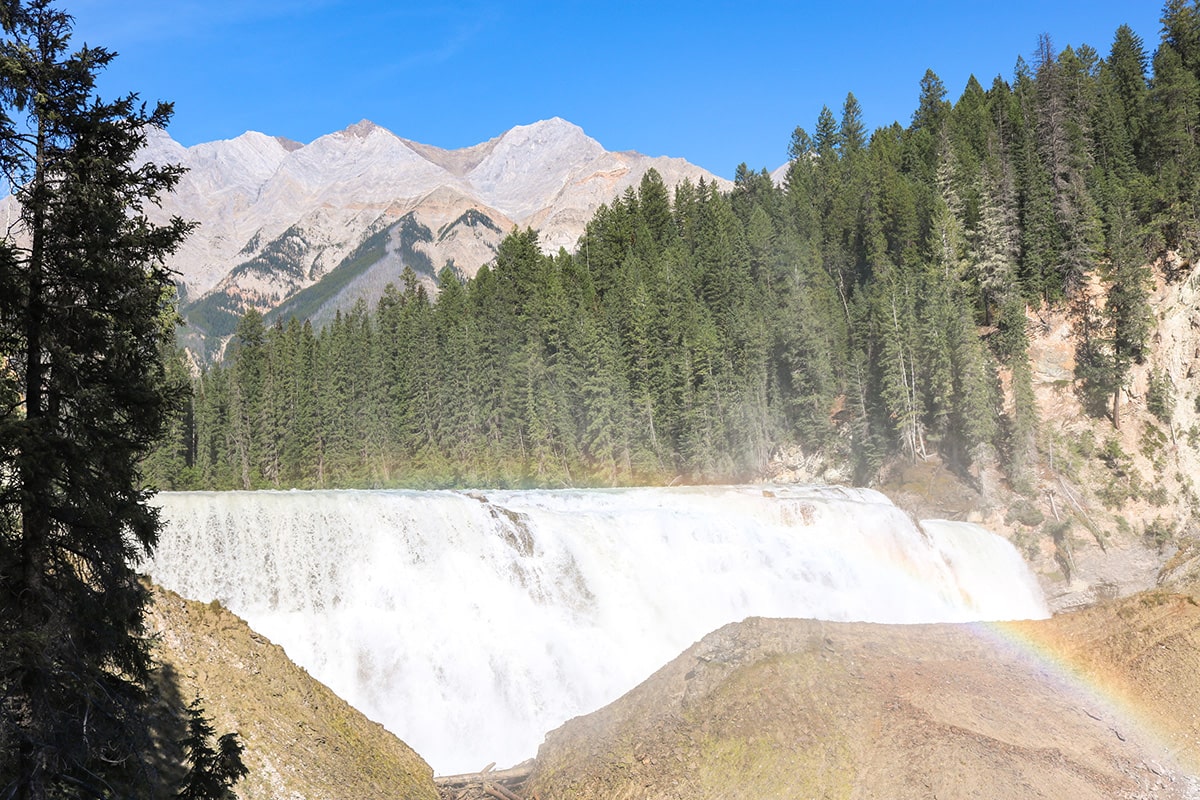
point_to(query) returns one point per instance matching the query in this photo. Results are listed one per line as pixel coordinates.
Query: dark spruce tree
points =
(84, 311)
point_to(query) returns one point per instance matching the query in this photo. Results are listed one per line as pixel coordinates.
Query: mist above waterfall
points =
(470, 624)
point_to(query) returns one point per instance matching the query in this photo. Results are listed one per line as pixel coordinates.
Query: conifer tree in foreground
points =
(84, 314)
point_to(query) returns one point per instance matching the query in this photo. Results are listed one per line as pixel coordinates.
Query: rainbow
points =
(1066, 659)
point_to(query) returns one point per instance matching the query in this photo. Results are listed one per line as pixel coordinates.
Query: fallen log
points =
(499, 776)
(499, 792)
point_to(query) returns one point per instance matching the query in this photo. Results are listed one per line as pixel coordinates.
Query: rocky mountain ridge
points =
(277, 217)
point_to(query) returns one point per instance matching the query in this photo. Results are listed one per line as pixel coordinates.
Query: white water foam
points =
(470, 624)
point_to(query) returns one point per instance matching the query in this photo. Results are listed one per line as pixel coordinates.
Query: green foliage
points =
(871, 307)
(284, 255)
(1157, 496)
(1059, 532)
(212, 771)
(1158, 532)
(1114, 457)
(1025, 513)
(1085, 443)
(307, 302)
(85, 319)
(1123, 481)
(1118, 489)
(1152, 442)
(216, 314)
(471, 218)
(1160, 396)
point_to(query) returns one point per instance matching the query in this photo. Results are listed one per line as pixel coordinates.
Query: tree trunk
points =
(33, 757)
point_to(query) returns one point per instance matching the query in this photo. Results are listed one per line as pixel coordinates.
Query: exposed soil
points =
(1143, 652)
(798, 708)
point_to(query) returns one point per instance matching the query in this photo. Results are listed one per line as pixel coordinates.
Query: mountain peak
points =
(555, 128)
(555, 123)
(362, 129)
(160, 148)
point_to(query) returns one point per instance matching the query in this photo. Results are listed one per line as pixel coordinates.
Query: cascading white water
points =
(470, 624)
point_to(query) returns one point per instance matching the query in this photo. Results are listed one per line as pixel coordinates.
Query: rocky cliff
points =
(1108, 510)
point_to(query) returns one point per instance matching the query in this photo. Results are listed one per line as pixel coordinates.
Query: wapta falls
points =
(471, 623)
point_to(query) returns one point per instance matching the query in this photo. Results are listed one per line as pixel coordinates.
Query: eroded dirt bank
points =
(798, 708)
(302, 741)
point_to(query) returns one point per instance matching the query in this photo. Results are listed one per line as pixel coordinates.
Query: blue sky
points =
(717, 83)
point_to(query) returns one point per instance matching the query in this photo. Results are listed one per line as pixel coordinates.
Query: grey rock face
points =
(277, 217)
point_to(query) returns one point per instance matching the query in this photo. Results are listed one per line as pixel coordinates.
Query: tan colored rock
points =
(798, 708)
(301, 740)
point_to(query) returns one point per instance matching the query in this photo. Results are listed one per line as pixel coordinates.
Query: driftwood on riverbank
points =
(503, 784)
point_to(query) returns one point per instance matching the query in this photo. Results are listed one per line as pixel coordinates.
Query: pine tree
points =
(1181, 32)
(1128, 306)
(246, 389)
(970, 129)
(1118, 125)
(1041, 238)
(852, 134)
(299, 444)
(1022, 423)
(1172, 153)
(931, 105)
(995, 239)
(927, 121)
(1064, 108)
(212, 771)
(1124, 72)
(654, 204)
(457, 411)
(214, 468)
(826, 139)
(82, 290)
(168, 466)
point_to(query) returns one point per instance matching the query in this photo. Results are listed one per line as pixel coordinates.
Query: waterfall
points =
(470, 624)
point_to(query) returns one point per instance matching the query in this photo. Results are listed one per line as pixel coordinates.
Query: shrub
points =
(1160, 395)
(1157, 496)
(1025, 513)
(1158, 532)
(1114, 457)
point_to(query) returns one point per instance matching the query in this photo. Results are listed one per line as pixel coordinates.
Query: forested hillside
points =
(876, 304)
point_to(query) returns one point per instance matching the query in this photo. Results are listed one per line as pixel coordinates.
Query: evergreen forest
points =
(875, 304)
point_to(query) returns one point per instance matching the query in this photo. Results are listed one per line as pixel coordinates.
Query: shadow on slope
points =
(301, 739)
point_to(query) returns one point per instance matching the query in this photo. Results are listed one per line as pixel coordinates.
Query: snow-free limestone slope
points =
(278, 218)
